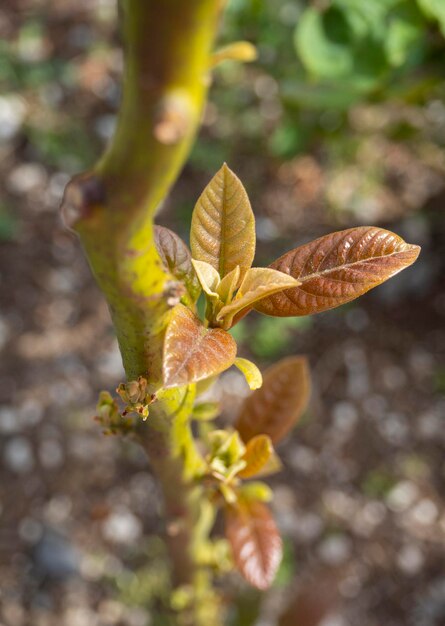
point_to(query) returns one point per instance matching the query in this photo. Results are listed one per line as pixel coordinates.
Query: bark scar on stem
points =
(83, 194)
(172, 119)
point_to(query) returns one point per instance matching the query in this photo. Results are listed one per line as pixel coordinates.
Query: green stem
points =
(167, 55)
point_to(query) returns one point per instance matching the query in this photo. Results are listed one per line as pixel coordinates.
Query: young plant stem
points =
(167, 47)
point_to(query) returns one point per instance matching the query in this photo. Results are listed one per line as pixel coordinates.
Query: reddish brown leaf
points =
(255, 542)
(277, 406)
(336, 269)
(177, 259)
(191, 352)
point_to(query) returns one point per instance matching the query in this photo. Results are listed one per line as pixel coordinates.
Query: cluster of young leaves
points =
(136, 398)
(312, 278)
(363, 43)
(247, 452)
(317, 276)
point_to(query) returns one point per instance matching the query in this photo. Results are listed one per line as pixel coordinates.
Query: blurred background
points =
(341, 122)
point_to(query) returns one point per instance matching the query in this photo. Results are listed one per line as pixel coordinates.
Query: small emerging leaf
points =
(208, 278)
(258, 283)
(336, 269)
(275, 408)
(251, 373)
(191, 352)
(177, 259)
(228, 285)
(259, 449)
(256, 490)
(227, 446)
(242, 51)
(255, 541)
(223, 225)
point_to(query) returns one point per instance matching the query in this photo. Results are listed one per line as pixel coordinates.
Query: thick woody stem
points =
(167, 55)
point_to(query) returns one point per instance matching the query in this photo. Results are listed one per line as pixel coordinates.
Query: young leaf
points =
(228, 285)
(275, 408)
(223, 225)
(176, 257)
(259, 449)
(255, 490)
(251, 373)
(255, 541)
(272, 466)
(242, 51)
(258, 283)
(336, 269)
(191, 352)
(208, 278)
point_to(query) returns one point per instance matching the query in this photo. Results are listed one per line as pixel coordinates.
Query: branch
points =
(167, 58)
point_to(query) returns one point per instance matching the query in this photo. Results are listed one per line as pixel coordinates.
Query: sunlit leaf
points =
(275, 408)
(223, 225)
(251, 372)
(255, 541)
(208, 277)
(191, 352)
(258, 283)
(176, 257)
(336, 269)
(228, 285)
(242, 51)
(259, 449)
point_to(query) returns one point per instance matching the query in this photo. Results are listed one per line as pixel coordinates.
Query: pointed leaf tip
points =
(336, 269)
(223, 225)
(251, 372)
(191, 352)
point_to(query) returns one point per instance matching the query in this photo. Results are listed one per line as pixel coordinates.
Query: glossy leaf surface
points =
(255, 541)
(336, 269)
(191, 352)
(275, 408)
(259, 449)
(176, 257)
(223, 225)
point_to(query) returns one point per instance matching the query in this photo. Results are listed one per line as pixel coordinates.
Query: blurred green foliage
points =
(318, 58)
(268, 337)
